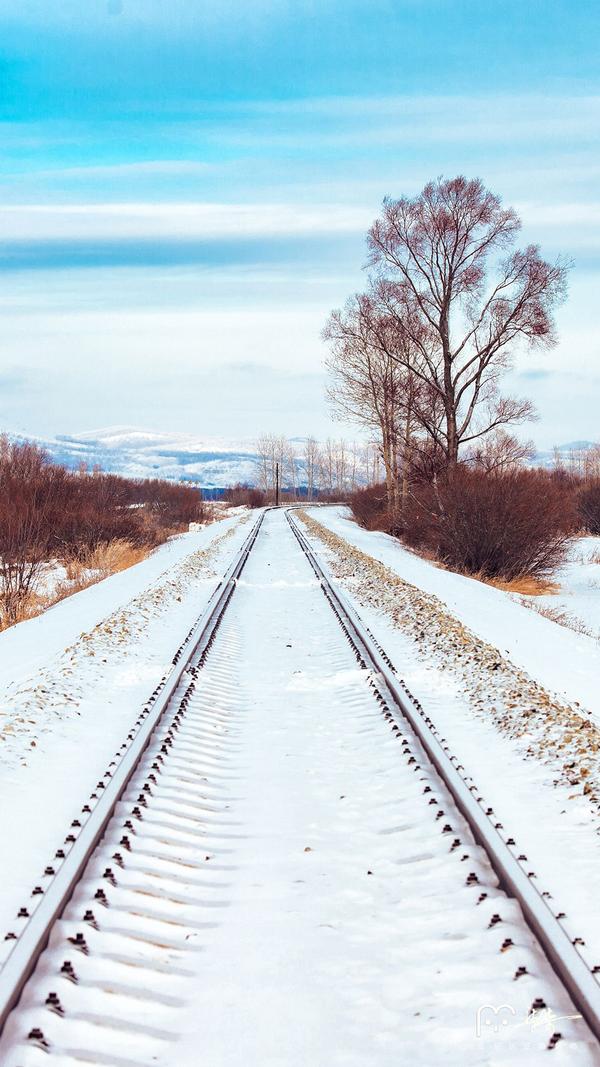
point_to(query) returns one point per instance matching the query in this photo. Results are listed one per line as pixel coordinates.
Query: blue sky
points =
(186, 187)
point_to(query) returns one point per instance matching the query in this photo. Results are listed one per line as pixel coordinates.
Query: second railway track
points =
(285, 865)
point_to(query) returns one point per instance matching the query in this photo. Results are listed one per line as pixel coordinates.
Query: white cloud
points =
(200, 220)
(170, 168)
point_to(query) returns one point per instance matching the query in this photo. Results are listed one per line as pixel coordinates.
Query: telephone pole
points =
(276, 485)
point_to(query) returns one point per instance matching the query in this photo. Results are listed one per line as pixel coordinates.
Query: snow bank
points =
(564, 662)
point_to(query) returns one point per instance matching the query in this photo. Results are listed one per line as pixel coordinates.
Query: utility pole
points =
(277, 485)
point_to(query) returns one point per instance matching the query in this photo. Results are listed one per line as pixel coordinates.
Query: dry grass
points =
(109, 558)
(526, 585)
(29, 607)
(97, 564)
(560, 616)
(68, 586)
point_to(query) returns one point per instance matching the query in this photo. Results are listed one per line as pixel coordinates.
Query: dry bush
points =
(33, 495)
(504, 525)
(27, 607)
(246, 496)
(588, 505)
(511, 526)
(48, 512)
(371, 509)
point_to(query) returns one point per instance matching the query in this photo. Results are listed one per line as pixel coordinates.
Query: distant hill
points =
(571, 450)
(213, 463)
(140, 454)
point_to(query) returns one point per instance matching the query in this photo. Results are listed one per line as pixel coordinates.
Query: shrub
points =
(500, 525)
(371, 509)
(588, 506)
(32, 499)
(48, 512)
(246, 496)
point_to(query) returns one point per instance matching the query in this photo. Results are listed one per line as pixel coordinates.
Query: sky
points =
(185, 189)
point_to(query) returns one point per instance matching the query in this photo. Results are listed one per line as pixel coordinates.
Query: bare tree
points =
(327, 471)
(311, 465)
(289, 474)
(272, 449)
(365, 380)
(373, 385)
(500, 452)
(447, 273)
(591, 462)
(355, 464)
(264, 462)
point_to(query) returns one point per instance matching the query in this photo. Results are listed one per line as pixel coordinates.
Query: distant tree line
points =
(310, 468)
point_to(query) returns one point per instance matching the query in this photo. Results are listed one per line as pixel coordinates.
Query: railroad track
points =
(127, 904)
(68, 867)
(510, 866)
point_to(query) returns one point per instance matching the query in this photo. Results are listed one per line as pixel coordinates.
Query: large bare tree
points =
(447, 273)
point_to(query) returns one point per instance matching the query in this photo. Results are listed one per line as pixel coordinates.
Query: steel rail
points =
(34, 937)
(567, 963)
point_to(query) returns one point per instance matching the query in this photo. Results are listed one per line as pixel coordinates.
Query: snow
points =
(289, 897)
(565, 662)
(345, 936)
(73, 682)
(576, 603)
(554, 825)
(57, 628)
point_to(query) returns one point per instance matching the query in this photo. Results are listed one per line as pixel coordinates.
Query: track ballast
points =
(285, 865)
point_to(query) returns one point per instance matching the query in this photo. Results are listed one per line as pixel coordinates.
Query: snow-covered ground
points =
(576, 601)
(304, 907)
(519, 770)
(72, 683)
(563, 661)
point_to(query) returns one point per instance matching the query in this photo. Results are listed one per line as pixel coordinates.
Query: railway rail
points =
(165, 817)
(70, 862)
(515, 878)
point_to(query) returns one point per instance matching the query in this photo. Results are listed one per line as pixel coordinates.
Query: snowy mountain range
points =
(210, 462)
(139, 453)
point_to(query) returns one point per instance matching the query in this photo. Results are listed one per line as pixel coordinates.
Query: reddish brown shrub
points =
(499, 525)
(246, 496)
(49, 512)
(32, 499)
(588, 506)
(371, 509)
